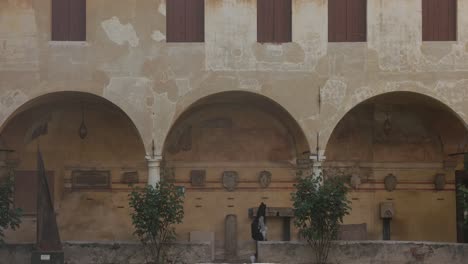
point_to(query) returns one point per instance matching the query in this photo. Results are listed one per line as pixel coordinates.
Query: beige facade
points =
(232, 104)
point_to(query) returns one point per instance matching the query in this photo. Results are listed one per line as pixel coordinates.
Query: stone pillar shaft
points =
(317, 169)
(154, 169)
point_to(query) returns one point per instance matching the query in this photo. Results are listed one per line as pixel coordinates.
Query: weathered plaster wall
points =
(423, 133)
(127, 61)
(243, 137)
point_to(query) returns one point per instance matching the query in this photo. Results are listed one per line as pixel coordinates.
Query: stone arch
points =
(364, 94)
(187, 103)
(197, 102)
(90, 175)
(227, 132)
(409, 135)
(15, 102)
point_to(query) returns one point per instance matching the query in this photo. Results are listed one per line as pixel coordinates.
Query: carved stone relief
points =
(198, 178)
(390, 182)
(230, 180)
(264, 179)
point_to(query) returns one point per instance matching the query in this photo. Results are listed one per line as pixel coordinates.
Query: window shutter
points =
(356, 20)
(195, 20)
(337, 17)
(427, 25)
(60, 21)
(282, 21)
(77, 20)
(439, 20)
(175, 20)
(449, 11)
(265, 21)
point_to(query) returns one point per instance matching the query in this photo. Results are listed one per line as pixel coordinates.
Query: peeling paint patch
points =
(119, 33)
(162, 8)
(334, 92)
(158, 36)
(250, 84)
(183, 86)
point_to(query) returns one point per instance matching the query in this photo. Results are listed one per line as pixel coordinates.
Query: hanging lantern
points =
(83, 131)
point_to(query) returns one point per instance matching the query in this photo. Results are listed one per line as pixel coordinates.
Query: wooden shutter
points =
(265, 21)
(356, 20)
(60, 21)
(26, 190)
(195, 20)
(337, 12)
(175, 23)
(439, 20)
(347, 20)
(283, 21)
(77, 20)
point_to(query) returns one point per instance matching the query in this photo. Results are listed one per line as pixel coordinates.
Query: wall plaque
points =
(230, 180)
(130, 177)
(91, 179)
(198, 178)
(390, 182)
(264, 179)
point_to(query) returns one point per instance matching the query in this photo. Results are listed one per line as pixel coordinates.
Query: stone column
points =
(154, 169)
(317, 165)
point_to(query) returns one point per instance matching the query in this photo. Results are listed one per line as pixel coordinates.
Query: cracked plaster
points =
(176, 74)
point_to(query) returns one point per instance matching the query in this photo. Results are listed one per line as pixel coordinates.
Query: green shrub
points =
(9, 216)
(319, 207)
(155, 211)
(463, 196)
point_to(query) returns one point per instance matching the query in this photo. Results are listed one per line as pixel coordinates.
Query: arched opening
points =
(412, 137)
(89, 177)
(234, 133)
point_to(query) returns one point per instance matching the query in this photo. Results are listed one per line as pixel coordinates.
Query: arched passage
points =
(236, 132)
(410, 136)
(89, 177)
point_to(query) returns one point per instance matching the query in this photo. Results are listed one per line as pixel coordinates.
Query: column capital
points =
(321, 158)
(153, 159)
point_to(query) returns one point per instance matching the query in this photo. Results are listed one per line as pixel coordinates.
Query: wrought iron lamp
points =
(83, 131)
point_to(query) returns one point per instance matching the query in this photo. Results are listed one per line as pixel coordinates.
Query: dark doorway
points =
(461, 178)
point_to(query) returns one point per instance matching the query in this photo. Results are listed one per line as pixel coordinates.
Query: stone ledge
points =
(109, 252)
(367, 252)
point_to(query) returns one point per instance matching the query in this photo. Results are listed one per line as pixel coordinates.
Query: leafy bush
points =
(319, 207)
(155, 211)
(9, 216)
(463, 196)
